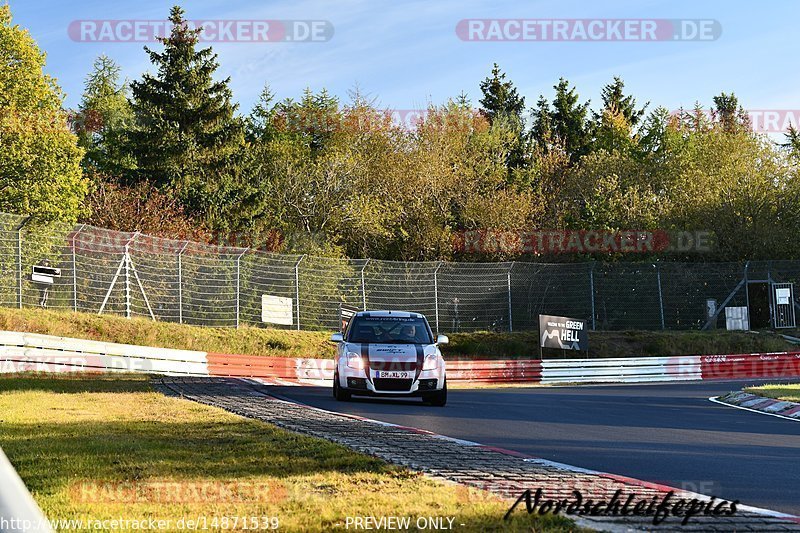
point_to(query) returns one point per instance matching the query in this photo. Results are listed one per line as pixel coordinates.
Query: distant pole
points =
(297, 287)
(180, 283)
(591, 293)
(660, 295)
(436, 293)
(239, 284)
(364, 286)
(75, 270)
(127, 260)
(19, 259)
(510, 314)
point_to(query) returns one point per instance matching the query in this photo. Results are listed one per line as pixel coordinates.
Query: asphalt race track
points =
(666, 433)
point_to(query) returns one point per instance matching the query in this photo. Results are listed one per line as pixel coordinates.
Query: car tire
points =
(438, 398)
(338, 392)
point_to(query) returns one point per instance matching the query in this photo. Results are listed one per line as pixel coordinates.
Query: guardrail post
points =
(239, 284)
(297, 288)
(180, 283)
(591, 293)
(75, 270)
(436, 294)
(660, 295)
(510, 314)
(363, 286)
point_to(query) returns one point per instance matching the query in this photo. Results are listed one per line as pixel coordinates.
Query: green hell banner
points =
(563, 333)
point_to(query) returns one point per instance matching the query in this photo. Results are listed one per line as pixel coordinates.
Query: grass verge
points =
(780, 391)
(106, 448)
(289, 343)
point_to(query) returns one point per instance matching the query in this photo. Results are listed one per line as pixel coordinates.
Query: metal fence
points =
(132, 274)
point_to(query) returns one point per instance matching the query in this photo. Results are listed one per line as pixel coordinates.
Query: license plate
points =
(393, 374)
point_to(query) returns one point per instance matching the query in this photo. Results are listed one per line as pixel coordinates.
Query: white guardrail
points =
(622, 370)
(18, 512)
(21, 352)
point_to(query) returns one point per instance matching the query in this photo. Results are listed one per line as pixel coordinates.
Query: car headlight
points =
(431, 362)
(354, 360)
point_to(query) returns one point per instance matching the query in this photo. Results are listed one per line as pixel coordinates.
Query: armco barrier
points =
(751, 365)
(21, 352)
(623, 370)
(32, 352)
(493, 371)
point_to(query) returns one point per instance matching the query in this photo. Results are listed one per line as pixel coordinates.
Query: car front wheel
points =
(438, 398)
(339, 393)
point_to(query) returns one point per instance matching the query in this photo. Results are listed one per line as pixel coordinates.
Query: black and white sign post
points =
(563, 333)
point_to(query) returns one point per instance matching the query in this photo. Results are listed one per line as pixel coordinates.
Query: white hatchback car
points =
(389, 353)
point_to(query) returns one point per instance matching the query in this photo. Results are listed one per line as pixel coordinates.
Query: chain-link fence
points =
(132, 274)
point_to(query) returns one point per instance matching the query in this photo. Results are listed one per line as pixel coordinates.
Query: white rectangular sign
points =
(41, 278)
(783, 296)
(276, 310)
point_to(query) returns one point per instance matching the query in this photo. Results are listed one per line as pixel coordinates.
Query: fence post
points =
(75, 271)
(436, 294)
(297, 287)
(746, 291)
(19, 258)
(239, 283)
(180, 283)
(660, 295)
(510, 314)
(591, 293)
(363, 286)
(127, 260)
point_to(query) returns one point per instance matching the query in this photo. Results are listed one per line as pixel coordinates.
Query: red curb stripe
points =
(791, 411)
(735, 366)
(505, 451)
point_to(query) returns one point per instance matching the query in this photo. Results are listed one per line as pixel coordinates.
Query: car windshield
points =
(389, 330)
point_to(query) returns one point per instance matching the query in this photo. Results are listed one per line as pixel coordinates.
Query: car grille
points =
(393, 365)
(387, 384)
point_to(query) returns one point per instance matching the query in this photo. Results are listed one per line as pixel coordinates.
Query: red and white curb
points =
(759, 404)
(21, 352)
(537, 460)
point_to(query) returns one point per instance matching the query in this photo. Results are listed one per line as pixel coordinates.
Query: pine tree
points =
(542, 124)
(614, 100)
(103, 118)
(569, 121)
(500, 98)
(614, 126)
(729, 114)
(503, 107)
(259, 123)
(792, 141)
(186, 135)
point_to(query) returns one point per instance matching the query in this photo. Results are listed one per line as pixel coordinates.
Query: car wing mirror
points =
(442, 339)
(337, 337)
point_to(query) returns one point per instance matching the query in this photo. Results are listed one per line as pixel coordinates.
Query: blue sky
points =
(406, 54)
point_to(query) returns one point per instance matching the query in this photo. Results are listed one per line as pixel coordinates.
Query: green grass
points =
(112, 328)
(290, 343)
(621, 343)
(781, 391)
(72, 439)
